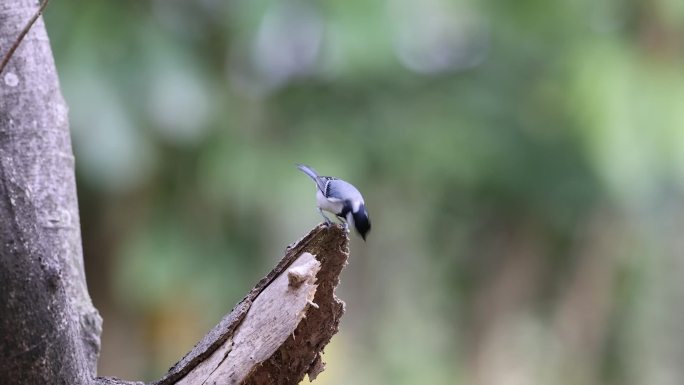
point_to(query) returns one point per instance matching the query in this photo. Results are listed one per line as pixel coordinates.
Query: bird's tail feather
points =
(308, 171)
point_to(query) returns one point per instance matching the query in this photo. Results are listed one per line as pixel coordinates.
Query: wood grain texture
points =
(301, 353)
(272, 318)
(228, 344)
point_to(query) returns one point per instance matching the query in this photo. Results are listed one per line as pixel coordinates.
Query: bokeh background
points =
(523, 164)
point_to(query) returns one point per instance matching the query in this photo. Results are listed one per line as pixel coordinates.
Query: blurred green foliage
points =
(523, 164)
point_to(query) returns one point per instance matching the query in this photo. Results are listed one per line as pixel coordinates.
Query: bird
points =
(340, 198)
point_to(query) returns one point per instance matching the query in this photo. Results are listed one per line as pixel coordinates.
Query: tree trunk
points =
(49, 329)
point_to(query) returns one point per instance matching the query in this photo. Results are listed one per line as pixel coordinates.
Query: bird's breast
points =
(333, 206)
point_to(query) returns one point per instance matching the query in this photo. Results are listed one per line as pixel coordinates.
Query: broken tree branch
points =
(277, 333)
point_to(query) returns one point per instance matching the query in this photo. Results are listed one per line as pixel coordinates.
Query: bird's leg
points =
(346, 227)
(327, 220)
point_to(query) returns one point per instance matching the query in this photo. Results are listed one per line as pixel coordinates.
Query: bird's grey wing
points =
(341, 190)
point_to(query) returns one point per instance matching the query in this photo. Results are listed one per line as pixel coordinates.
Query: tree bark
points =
(49, 329)
(290, 333)
(277, 333)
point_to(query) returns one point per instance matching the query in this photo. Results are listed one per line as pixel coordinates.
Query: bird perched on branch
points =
(340, 198)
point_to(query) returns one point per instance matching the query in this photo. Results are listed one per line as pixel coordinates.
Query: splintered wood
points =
(277, 333)
(258, 336)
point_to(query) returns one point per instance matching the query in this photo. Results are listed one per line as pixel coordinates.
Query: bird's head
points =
(359, 218)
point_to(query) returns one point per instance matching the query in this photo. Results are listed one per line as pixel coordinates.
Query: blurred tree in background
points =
(523, 164)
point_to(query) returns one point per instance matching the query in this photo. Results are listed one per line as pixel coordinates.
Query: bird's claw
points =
(328, 222)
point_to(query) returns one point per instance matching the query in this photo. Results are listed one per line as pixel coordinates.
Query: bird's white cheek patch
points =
(356, 205)
(350, 219)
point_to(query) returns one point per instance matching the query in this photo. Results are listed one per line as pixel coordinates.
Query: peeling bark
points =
(300, 347)
(277, 333)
